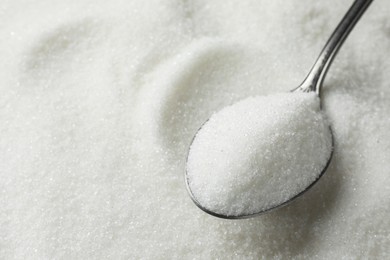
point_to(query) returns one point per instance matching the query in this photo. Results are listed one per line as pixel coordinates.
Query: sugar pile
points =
(259, 153)
(100, 100)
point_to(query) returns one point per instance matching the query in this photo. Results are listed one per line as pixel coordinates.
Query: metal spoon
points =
(312, 83)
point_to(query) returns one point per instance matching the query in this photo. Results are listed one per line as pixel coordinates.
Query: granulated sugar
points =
(99, 102)
(259, 153)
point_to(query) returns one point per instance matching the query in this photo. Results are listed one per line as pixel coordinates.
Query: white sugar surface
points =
(258, 153)
(99, 102)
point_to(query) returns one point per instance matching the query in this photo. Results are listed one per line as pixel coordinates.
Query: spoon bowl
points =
(312, 83)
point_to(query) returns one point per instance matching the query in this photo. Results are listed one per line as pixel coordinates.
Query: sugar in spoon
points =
(311, 84)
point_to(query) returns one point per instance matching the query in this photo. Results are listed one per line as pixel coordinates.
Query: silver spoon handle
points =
(314, 79)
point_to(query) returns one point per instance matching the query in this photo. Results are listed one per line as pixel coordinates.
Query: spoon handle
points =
(315, 78)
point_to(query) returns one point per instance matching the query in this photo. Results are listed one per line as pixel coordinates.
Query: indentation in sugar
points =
(60, 42)
(259, 153)
(63, 57)
(198, 73)
(202, 78)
